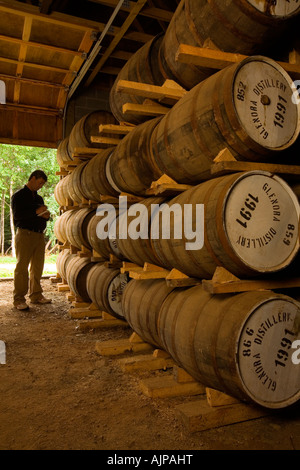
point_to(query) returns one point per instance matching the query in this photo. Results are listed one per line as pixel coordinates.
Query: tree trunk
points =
(12, 228)
(2, 236)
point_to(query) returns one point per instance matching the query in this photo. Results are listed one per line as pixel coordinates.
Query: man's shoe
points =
(22, 306)
(42, 301)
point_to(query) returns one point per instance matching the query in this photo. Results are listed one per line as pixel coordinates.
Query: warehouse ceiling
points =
(50, 49)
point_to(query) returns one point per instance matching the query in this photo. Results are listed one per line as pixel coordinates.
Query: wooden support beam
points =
(224, 282)
(114, 129)
(146, 109)
(215, 59)
(170, 90)
(224, 167)
(105, 140)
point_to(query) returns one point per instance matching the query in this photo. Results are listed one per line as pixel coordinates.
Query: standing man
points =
(30, 218)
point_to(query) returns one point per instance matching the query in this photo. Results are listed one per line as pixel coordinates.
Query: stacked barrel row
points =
(245, 26)
(93, 282)
(242, 343)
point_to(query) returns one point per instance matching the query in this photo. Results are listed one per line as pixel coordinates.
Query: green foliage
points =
(16, 165)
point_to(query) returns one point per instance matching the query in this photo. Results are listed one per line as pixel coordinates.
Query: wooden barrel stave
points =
(62, 261)
(74, 183)
(61, 191)
(100, 245)
(93, 178)
(63, 156)
(131, 164)
(141, 303)
(60, 225)
(77, 227)
(138, 250)
(76, 274)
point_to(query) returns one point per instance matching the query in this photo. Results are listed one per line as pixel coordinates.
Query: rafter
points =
(127, 23)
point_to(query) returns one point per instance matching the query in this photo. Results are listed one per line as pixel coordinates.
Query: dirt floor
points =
(58, 393)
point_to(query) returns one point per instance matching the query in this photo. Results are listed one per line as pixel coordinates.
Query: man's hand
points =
(41, 209)
(45, 215)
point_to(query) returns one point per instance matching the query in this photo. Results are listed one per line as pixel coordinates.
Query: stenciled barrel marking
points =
(258, 224)
(115, 292)
(263, 101)
(265, 352)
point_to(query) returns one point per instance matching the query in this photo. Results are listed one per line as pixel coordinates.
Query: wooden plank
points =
(47, 47)
(56, 18)
(105, 140)
(224, 167)
(144, 109)
(216, 59)
(151, 91)
(249, 285)
(199, 416)
(121, 346)
(114, 129)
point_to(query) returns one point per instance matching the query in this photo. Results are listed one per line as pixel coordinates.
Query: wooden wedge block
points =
(91, 324)
(199, 416)
(162, 387)
(121, 346)
(145, 362)
(216, 398)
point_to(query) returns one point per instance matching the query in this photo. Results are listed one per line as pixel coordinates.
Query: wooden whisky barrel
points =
(242, 26)
(141, 304)
(93, 177)
(132, 167)
(76, 275)
(62, 261)
(137, 248)
(63, 155)
(61, 191)
(88, 127)
(99, 243)
(77, 227)
(239, 344)
(75, 183)
(142, 67)
(246, 108)
(250, 226)
(60, 225)
(105, 287)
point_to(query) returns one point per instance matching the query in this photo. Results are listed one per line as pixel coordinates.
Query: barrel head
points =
(264, 100)
(266, 355)
(261, 220)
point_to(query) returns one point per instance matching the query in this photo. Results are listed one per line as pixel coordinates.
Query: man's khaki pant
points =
(30, 249)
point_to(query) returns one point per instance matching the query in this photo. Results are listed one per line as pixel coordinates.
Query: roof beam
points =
(48, 47)
(152, 12)
(127, 23)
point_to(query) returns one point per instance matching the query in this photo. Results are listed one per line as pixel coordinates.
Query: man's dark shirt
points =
(24, 203)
